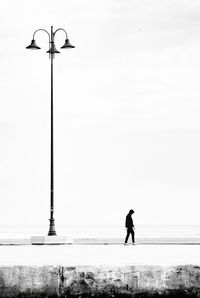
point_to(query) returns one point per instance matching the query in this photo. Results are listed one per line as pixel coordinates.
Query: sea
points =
(99, 231)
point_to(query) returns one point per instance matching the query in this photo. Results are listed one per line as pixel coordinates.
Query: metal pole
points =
(52, 231)
(52, 50)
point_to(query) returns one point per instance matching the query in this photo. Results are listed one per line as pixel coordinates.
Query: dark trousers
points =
(130, 231)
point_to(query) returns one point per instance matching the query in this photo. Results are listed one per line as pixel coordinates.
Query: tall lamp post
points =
(52, 51)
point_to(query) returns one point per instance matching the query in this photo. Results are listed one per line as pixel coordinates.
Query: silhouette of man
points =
(130, 226)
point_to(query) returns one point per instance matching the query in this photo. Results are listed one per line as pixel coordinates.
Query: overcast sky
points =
(127, 112)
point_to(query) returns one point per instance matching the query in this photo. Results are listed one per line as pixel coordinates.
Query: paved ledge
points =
(148, 241)
(15, 241)
(62, 240)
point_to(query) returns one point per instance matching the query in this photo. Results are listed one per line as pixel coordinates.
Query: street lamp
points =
(52, 51)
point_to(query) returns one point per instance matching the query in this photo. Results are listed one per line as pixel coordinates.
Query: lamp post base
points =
(52, 231)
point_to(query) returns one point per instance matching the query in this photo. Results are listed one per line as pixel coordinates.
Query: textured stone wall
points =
(86, 281)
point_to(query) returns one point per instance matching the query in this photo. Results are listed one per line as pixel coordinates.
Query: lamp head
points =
(53, 49)
(67, 45)
(33, 45)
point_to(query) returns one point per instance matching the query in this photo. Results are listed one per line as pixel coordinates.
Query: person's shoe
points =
(125, 243)
(133, 243)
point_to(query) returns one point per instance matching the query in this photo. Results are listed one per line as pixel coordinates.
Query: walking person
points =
(130, 227)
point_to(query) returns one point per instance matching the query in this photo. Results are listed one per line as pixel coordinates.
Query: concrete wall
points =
(85, 281)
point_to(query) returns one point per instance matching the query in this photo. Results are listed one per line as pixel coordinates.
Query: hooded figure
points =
(130, 226)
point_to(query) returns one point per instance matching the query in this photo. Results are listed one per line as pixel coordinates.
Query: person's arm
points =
(126, 223)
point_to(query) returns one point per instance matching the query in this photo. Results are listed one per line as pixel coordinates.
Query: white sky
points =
(127, 112)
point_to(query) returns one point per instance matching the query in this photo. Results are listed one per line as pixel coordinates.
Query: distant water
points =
(97, 231)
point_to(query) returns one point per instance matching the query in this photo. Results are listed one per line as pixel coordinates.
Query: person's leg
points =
(133, 235)
(127, 235)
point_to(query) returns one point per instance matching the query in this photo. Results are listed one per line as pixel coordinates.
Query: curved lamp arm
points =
(61, 30)
(41, 30)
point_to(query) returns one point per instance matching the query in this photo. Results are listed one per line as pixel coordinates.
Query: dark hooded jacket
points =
(129, 221)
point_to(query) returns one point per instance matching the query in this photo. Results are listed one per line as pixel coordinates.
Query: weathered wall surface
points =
(86, 281)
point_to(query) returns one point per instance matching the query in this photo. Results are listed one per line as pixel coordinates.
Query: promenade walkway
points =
(95, 255)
